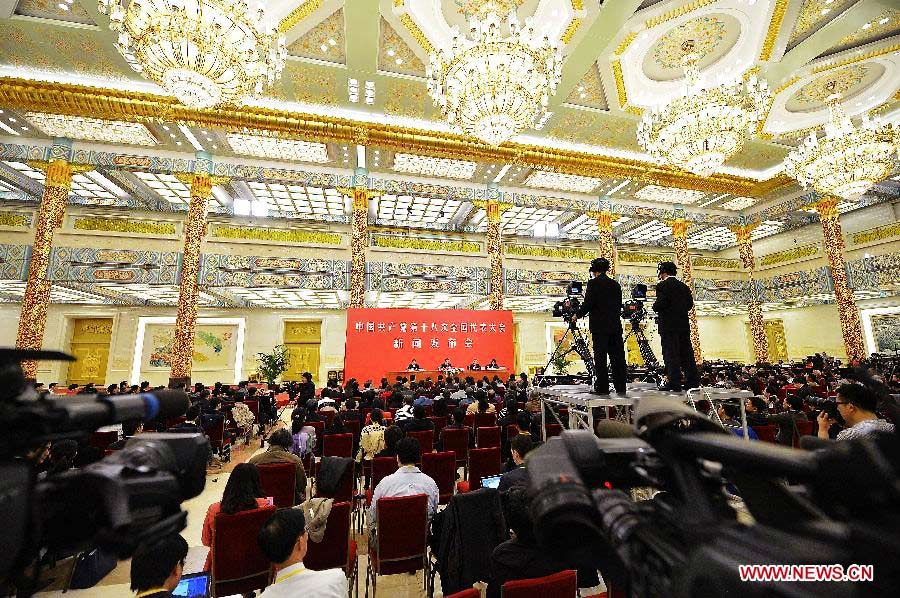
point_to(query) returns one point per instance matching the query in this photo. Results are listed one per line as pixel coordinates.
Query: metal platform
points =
(580, 402)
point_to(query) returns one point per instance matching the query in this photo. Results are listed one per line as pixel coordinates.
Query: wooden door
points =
(304, 342)
(91, 338)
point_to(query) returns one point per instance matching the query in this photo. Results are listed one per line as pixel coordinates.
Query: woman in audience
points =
(303, 436)
(481, 404)
(392, 435)
(337, 426)
(242, 493)
(457, 421)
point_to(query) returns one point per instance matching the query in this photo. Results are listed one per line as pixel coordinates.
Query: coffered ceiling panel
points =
(69, 11)
(325, 41)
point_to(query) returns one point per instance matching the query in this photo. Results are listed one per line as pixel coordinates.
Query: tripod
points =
(642, 343)
(579, 345)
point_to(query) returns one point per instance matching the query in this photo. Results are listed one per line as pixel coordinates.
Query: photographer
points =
(856, 404)
(603, 304)
(674, 302)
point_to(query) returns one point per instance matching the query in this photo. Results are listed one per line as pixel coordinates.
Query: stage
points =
(581, 402)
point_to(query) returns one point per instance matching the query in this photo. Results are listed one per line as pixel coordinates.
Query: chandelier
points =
(203, 52)
(847, 160)
(493, 85)
(702, 128)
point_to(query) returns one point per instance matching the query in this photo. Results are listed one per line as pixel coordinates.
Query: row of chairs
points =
(767, 433)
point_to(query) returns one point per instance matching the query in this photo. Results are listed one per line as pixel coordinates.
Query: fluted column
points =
(359, 230)
(201, 183)
(679, 228)
(754, 310)
(606, 243)
(848, 314)
(36, 301)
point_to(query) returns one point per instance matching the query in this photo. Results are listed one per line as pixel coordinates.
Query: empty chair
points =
(439, 422)
(328, 414)
(355, 429)
(766, 433)
(559, 585)
(441, 467)
(238, 565)
(485, 420)
(486, 437)
(320, 433)
(470, 593)
(402, 538)
(457, 440)
(483, 462)
(804, 428)
(336, 550)
(425, 438)
(338, 445)
(278, 480)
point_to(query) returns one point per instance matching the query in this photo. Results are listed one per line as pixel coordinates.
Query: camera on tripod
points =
(633, 309)
(117, 503)
(568, 307)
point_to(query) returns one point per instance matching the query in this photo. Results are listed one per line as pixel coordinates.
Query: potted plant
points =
(271, 365)
(560, 363)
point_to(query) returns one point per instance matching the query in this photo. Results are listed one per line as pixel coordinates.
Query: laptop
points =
(194, 585)
(490, 482)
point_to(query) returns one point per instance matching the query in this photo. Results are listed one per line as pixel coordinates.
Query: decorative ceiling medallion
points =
(325, 41)
(738, 203)
(669, 195)
(543, 179)
(708, 31)
(278, 149)
(847, 82)
(91, 129)
(203, 52)
(439, 167)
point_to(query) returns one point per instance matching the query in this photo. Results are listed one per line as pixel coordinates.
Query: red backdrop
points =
(383, 340)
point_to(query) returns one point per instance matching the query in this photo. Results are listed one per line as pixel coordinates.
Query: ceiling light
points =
(331, 41)
(848, 160)
(428, 166)
(669, 194)
(241, 207)
(324, 47)
(91, 129)
(492, 85)
(564, 182)
(883, 21)
(825, 11)
(278, 149)
(203, 52)
(703, 127)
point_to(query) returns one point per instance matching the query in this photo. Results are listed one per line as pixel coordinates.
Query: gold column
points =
(186, 320)
(494, 209)
(848, 314)
(754, 310)
(359, 229)
(679, 228)
(606, 242)
(36, 301)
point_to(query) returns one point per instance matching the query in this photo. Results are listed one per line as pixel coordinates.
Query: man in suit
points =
(673, 303)
(603, 304)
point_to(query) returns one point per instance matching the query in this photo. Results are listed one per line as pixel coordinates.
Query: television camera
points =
(568, 307)
(117, 503)
(693, 535)
(633, 311)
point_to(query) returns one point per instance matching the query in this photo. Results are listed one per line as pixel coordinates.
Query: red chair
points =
(441, 467)
(381, 468)
(470, 593)
(216, 435)
(554, 430)
(483, 462)
(469, 419)
(336, 550)
(238, 565)
(320, 432)
(355, 429)
(278, 480)
(457, 440)
(425, 438)
(402, 538)
(338, 445)
(253, 406)
(328, 414)
(487, 437)
(766, 433)
(485, 420)
(512, 430)
(439, 422)
(344, 492)
(559, 585)
(102, 440)
(804, 428)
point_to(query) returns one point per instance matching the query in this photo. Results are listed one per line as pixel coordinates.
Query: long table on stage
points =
(581, 402)
(433, 374)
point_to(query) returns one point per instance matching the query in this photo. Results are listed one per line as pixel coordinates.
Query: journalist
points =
(603, 305)
(673, 303)
(857, 405)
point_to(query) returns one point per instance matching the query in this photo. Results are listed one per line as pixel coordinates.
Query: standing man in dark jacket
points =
(603, 304)
(674, 301)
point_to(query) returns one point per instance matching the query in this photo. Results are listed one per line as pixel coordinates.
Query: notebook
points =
(195, 585)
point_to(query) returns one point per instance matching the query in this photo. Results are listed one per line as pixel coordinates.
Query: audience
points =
(303, 437)
(156, 567)
(856, 404)
(787, 420)
(284, 540)
(392, 436)
(280, 444)
(130, 428)
(242, 493)
(519, 447)
(371, 440)
(408, 480)
(419, 422)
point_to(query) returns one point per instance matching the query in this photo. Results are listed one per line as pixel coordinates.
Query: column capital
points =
(743, 231)
(679, 227)
(360, 196)
(827, 208)
(493, 208)
(604, 218)
(59, 172)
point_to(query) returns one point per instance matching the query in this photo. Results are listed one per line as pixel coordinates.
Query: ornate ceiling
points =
(620, 57)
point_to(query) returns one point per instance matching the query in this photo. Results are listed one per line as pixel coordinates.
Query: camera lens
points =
(563, 516)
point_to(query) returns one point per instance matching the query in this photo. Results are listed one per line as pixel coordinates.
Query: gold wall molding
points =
(220, 231)
(14, 220)
(566, 253)
(638, 257)
(789, 255)
(717, 263)
(425, 244)
(111, 104)
(122, 225)
(416, 33)
(876, 234)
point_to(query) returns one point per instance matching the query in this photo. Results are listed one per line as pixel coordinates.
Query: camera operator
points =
(857, 405)
(674, 301)
(603, 304)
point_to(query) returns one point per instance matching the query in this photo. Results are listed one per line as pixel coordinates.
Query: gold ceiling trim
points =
(774, 28)
(857, 58)
(298, 14)
(570, 31)
(621, 92)
(76, 100)
(676, 12)
(620, 49)
(417, 34)
(577, 4)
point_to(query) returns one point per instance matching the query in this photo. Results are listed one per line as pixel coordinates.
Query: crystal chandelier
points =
(203, 52)
(701, 129)
(491, 85)
(847, 160)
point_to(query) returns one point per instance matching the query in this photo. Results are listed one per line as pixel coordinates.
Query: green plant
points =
(271, 365)
(560, 363)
